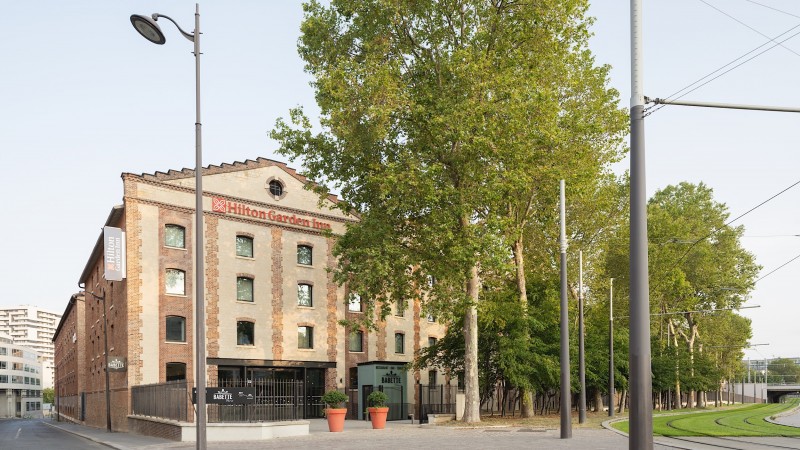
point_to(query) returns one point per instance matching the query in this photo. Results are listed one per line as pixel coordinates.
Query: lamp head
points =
(148, 28)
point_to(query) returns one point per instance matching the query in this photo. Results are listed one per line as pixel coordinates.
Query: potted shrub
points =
(335, 412)
(377, 409)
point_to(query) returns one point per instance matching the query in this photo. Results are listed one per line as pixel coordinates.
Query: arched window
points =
(176, 329)
(244, 289)
(304, 255)
(175, 282)
(174, 236)
(244, 246)
(245, 333)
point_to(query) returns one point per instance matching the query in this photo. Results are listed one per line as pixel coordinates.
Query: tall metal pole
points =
(200, 317)
(581, 355)
(566, 403)
(641, 402)
(611, 391)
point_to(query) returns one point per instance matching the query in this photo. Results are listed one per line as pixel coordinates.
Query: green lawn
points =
(743, 421)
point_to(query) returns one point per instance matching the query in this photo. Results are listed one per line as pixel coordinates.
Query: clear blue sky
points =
(84, 98)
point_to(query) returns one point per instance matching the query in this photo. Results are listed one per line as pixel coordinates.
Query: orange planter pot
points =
(378, 417)
(335, 419)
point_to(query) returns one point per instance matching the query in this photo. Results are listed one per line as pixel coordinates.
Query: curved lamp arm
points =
(188, 36)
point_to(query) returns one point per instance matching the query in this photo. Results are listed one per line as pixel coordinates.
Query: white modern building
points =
(33, 328)
(20, 380)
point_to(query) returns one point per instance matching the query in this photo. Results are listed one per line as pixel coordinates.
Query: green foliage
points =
(377, 399)
(48, 395)
(334, 399)
(783, 371)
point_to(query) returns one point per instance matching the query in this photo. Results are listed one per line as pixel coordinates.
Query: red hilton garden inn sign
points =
(221, 205)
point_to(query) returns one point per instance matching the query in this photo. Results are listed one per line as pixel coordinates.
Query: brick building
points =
(272, 308)
(70, 370)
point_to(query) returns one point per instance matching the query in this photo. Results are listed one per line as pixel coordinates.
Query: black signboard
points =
(228, 395)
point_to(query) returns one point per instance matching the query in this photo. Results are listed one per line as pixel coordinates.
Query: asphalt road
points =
(32, 434)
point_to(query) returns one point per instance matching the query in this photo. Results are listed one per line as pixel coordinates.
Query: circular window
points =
(276, 188)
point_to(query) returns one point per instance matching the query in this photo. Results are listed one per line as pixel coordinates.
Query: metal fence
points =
(275, 400)
(436, 399)
(165, 400)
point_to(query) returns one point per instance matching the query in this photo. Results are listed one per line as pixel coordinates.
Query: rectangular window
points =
(244, 246)
(3, 378)
(17, 353)
(2, 365)
(305, 337)
(431, 378)
(399, 308)
(175, 236)
(176, 371)
(175, 282)
(431, 341)
(3, 351)
(17, 366)
(399, 343)
(176, 329)
(356, 341)
(304, 255)
(244, 289)
(245, 333)
(304, 295)
(431, 318)
(354, 303)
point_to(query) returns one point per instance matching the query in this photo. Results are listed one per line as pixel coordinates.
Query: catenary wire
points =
(673, 96)
(776, 269)
(746, 25)
(678, 261)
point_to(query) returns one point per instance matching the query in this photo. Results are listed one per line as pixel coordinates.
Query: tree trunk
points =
(526, 407)
(622, 399)
(472, 412)
(598, 400)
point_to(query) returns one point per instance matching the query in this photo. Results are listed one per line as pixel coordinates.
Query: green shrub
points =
(377, 399)
(334, 399)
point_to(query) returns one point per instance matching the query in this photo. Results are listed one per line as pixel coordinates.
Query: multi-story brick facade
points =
(70, 370)
(272, 308)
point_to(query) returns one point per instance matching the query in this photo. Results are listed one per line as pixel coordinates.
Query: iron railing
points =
(275, 400)
(165, 400)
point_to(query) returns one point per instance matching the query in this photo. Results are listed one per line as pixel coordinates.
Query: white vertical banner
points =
(114, 251)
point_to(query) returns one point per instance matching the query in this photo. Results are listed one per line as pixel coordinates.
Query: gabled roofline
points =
(97, 252)
(70, 304)
(226, 168)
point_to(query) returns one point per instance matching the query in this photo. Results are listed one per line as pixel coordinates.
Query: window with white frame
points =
(399, 343)
(305, 337)
(174, 236)
(354, 303)
(305, 255)
(176, 329)
(244, 289)
(356, 343)
(175, 282)
(305, 295)
(244, 246)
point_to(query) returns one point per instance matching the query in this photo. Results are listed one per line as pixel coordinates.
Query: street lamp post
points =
(148, 28)
(581, 352)
(566, 392)
(611, 348)
(641, 390)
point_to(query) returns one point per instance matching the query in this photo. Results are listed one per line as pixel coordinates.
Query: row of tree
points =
(445, 127)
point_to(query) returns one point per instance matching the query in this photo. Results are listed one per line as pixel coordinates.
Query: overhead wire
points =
(678, 261)
(689, 88)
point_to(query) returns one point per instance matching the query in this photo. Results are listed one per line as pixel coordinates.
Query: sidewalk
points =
(359, 434)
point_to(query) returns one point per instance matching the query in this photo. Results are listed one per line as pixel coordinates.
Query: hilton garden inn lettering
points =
(221, 205)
